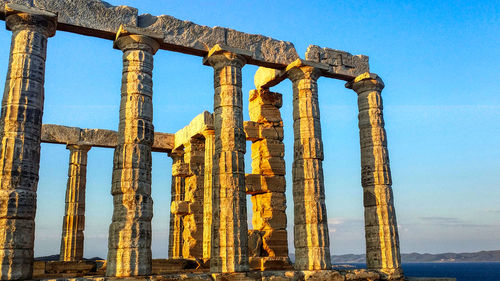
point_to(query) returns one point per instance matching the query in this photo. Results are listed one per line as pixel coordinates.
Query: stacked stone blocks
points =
(266, 184)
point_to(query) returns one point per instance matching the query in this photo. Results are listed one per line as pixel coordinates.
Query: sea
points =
(462, 271)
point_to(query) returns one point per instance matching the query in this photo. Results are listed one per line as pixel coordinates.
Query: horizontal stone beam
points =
(332, 63)
(196, 127)
(341, 65)
(163, 142)
(99, 19)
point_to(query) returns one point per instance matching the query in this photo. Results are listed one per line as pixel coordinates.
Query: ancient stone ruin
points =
(209, 239)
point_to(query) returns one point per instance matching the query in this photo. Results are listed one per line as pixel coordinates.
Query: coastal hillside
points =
(483, 256)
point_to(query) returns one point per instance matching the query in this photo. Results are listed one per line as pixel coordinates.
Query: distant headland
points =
(482, 256)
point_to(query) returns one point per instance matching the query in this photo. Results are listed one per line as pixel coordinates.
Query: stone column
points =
(381, 231)
(74, 215)
(20, 130)
(130, 231)
(266, 184)
(194, 156)
(176, 223)
(207, 198)
(229, 217)
(312, 245)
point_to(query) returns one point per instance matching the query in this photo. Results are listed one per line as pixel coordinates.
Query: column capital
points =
(220, 56)
(366, 82)
(302, 69)
(80, 147)
(209, 132)
(18, 17)
(133, 38)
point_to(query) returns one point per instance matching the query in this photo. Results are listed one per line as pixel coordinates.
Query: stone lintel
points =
(323, 68)
(267, 77)
(12, 8)
(342, 65)
(197, 127)
(163, 142)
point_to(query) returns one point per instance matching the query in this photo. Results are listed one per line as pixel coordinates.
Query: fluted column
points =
(381, 231)
(312, 246)
(177, 190)
(229, 217)
(20, 130)
(74, 216)
(207, 198)
(129, 242)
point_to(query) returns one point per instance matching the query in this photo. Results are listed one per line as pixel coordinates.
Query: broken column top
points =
(99, 19)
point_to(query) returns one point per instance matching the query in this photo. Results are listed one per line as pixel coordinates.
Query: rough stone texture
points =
(381, 231)
(268, 165)
(176, 223)
(20, 129)
(265, 78)
(89, 17)
(312, 246)
(188, 37)
(165, 269)
(74, 216)
(98, 18)
(208, 185)
(163, 142)
(195, 128)
(342, 65)
(229, 217)
(129, 243)
(194, 156)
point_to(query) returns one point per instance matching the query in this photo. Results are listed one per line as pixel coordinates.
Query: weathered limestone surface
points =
(342, 64)
(98, 18)
(229, 218)
(282, 275)
(20, 129)
(312, 246)
(130, 231)
(208, 189)
(268, 165)
(74, 216)
(163, 142)
(175, 240)
(381, 231)
(195, 128)
(194, 156)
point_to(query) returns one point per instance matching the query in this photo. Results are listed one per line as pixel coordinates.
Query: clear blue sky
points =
(440, 63)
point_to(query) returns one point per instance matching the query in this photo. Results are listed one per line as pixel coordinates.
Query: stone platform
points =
(318, 275)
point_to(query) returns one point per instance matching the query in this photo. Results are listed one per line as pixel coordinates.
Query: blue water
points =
(463, 271)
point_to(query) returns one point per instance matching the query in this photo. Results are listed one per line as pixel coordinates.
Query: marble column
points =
(312, 245)
(20, 130)
(194, 156)
(176, 223)
(381, 231)
(129, 242)
(229, 217)
(74, 216)
(207, 198)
